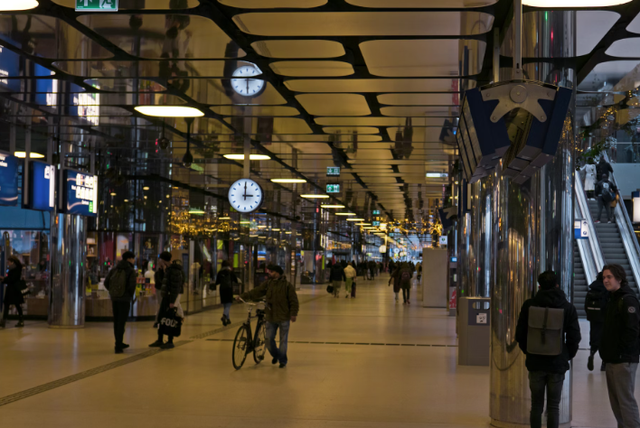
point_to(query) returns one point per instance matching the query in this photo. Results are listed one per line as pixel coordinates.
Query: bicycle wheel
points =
(240, 344)
(260, 343)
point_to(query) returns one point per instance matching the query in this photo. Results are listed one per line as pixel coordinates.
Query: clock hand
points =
(245, 193)
(247, 86)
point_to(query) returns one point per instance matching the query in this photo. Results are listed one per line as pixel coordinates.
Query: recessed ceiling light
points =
(287, 233)
(347, 214)
(573, 3)
(7, 6)
(437, 175)
(126, 200)
(251, 157)
(196, 211)
(32, 155)
(145, 188)
(332, 206)
(145, 197)
(275, 230)
(355, 219)
(169, 111)
(288, 180)
(262, 227)
(168, 196)
(224, 218)
(313, 196)
(363, 224)
(113, 193)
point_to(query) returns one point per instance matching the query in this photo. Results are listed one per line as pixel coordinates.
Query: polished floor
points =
(366, 362)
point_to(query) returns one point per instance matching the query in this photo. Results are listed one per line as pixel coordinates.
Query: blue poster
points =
(8, 180)
(80, 193)
(42, 186)
(9, 67)
(46, 89)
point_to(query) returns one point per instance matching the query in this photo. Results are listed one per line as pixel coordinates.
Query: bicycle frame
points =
(252, 336)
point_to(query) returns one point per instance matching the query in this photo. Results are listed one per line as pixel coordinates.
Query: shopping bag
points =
(329, 289)
(170, 323)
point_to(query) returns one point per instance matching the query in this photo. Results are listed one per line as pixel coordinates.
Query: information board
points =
(333, 188)
(80, 193)
(333, 171)
(46, 89)
(9, 67)
(8, 179)
(42, 186)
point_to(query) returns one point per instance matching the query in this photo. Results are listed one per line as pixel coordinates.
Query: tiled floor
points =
(344, 383)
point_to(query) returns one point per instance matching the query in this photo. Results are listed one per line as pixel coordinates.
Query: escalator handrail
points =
(594, 244)
(629, 240)
(586, 254)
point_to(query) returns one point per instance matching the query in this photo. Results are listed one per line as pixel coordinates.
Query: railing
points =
(590, 252)
(629, 240)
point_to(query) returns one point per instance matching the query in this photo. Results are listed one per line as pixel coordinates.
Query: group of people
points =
(598, 186)
(343, 272)
(548, 333)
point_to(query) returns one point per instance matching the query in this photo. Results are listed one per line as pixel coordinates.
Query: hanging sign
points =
(42, 186)
(80, 193)
(333, 171)
(96, 5)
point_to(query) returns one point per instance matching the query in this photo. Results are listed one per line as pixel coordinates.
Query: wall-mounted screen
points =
(80, 193)
(9, 67)
(8, 179)
(42, 186)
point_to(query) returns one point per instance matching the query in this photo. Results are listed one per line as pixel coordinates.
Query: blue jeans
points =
(272, 328)
(227, 308)
(552, 383)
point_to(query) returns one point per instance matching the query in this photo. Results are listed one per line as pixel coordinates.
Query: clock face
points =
(245, 195)
(245, 83)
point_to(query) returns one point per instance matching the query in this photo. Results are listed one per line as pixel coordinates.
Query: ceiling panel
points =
(592, 27)
(374, 85)
(426, 4)
(349, 131)
(395, 58)
(334, 104)
(418, 111)
(312, 68)
(377, 121)
(273, 4)
(419, 99)
(255, 110)
(137, 4)
(299, 48)
(362, 23)
(626, 48)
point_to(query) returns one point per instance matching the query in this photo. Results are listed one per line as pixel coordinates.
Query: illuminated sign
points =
(333, 171)
(8, 180)
(85, 105)
(80, 193)
(46, 89)
(333, 188)
(42, 186)
(376, 212)
(9, 67)
(96, 5)
(376, 223)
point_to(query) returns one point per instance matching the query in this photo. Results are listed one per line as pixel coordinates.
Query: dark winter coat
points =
(280, 296)
(173, 281)
(337, 273)
(225, 276)
(620, 334)
(13, 295)
(130, 289)
(597, 289)
(603, 168)
(553, 298)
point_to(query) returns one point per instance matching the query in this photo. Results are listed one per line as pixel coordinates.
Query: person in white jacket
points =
(350, 273)
(590, 180)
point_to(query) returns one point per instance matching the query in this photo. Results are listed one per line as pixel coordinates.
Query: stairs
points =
(611, 244)
(580, 285)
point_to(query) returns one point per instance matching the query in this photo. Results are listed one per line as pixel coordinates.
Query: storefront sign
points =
(96, 5)
(42, 186)
(8, 180)
(81, 193)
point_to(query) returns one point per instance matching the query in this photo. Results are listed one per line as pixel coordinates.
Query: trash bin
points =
(474, 331)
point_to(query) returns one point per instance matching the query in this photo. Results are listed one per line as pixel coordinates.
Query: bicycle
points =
(245, 343)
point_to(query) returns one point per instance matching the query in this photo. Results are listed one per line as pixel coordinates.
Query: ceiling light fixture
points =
(363, 224)
(437, 175)
(145, 188)
(346, 214)
(32, 155)
(573, 3)
(314, 196)
(169, 111)
(14, 5)
(224, 218)
(275, 230)
(332, 206)
(253, 157)
(355, 219)
(196, 211)
(288, 180)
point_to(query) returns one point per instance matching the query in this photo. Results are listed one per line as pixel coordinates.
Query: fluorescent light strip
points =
(15, 5)
(169, 111)
(573, 3)
(313, 196)
(332, 206)
(355, 219)
(224, 218)
(346, 214)
(288, 180)
(253, 157)
(32, 155)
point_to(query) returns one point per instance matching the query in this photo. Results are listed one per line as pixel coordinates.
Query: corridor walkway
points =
(368, 362)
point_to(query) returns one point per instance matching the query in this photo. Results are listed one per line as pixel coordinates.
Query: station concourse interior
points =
(281, 140)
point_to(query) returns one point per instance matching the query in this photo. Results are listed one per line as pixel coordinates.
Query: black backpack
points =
(118, 283)
(594, 305)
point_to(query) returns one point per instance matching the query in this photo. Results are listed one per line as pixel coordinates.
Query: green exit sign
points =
(96, 5)
(333, 171)
(376, 212)
(333, 188)
(376, 223)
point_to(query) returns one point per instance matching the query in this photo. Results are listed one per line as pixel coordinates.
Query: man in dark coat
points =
(594, 305)
(603, 167)
(13, 294)
(619, 348)
(337, 276)
(226, 279)
(546, 372)
(605, 193)
(121, 283)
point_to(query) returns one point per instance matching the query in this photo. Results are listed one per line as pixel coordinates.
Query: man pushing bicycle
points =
(282, 309)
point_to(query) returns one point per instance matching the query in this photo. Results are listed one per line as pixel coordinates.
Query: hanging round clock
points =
(244, 81)
(245, 195)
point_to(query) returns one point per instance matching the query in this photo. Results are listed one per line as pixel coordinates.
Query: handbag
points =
(169, 323)
(614, 202)
(24, 288)
(329, 289)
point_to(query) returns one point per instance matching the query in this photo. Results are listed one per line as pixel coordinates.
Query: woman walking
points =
(226, 279)
(350, 275)
(13, 295)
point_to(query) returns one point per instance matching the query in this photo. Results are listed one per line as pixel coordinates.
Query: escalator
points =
(580, 283)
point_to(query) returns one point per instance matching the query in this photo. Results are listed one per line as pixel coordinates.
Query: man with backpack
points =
(619, 348)
(406, 273)
(548, 333)
(603, 168)
(605, 194)
(121, 283)
(594, 305)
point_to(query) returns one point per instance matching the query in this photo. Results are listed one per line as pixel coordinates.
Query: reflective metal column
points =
(68, 255)
(532, 229)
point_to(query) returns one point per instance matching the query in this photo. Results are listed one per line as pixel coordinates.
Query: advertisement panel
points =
(42, 186)
(8, 179)
(80, 193)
